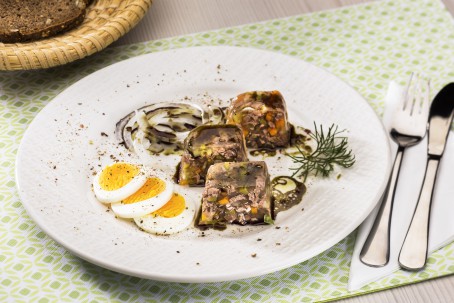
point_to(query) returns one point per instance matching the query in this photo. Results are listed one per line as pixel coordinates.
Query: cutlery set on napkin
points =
(400, 232)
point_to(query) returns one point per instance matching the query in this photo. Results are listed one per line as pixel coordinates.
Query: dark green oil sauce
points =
(299, 139)
(286, 192)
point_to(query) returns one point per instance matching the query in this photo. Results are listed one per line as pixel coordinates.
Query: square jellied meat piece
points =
(207, 145)
(236, 192)
(262, 115)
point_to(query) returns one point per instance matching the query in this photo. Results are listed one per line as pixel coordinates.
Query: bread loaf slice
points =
(26, 20)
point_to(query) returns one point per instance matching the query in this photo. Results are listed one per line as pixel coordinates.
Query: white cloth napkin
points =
(407, 192)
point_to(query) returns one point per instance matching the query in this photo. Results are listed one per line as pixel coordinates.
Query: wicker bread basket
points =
(104, 23)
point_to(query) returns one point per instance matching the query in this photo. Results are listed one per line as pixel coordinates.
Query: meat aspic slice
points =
(206, 145)
(262, 115)
(236, 193)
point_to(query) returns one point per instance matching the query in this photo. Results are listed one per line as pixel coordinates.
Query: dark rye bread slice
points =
(26, 20)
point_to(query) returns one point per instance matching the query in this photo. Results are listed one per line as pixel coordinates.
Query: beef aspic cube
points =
(262, 115)
(206, 145)
(236, 193)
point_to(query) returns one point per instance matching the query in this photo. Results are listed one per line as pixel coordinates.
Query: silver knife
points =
(413, 254)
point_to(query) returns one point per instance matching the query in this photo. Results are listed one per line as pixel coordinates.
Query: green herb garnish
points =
(332, 148)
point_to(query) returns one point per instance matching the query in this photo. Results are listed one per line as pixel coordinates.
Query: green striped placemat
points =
(366, 45)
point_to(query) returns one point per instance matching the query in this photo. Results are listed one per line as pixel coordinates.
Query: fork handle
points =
(375, 251)
(413, 254)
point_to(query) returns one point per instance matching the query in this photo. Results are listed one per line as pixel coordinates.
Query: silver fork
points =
(408, 128)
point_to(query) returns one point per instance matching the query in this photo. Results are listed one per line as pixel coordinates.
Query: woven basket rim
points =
(105, 22)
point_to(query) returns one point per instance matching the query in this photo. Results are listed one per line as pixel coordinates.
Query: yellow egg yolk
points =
(117, 175)
(173, 208)
(151, 188)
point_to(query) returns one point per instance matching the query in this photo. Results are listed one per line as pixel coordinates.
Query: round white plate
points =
(74, 135)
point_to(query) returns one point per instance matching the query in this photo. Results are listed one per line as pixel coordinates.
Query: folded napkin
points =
(407, 193)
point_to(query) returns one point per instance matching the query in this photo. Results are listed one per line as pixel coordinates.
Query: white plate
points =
(63, 146)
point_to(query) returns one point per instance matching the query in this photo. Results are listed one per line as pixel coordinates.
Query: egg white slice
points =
(112, 196)
(142, 208)
(167, 226)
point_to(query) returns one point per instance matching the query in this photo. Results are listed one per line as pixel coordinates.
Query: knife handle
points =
(413, 254)
(375, 251)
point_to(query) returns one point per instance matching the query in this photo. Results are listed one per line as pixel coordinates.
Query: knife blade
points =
(413, 254)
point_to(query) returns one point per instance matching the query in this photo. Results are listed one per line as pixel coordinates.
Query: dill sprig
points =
(332, 149)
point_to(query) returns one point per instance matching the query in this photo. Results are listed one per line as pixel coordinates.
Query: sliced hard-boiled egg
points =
(149, 198)
(117, 182)
(176, 215)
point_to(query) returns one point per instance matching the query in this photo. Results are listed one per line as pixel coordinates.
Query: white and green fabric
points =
(365, 45)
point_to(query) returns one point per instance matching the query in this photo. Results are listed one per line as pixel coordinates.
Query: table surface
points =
(169, 18)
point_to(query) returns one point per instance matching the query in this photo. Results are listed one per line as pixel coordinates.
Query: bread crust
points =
(42, 22)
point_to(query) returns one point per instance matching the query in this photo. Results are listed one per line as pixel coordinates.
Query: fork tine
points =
(422, 100)
(417, 95)
(409, 99)
(426, 101)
